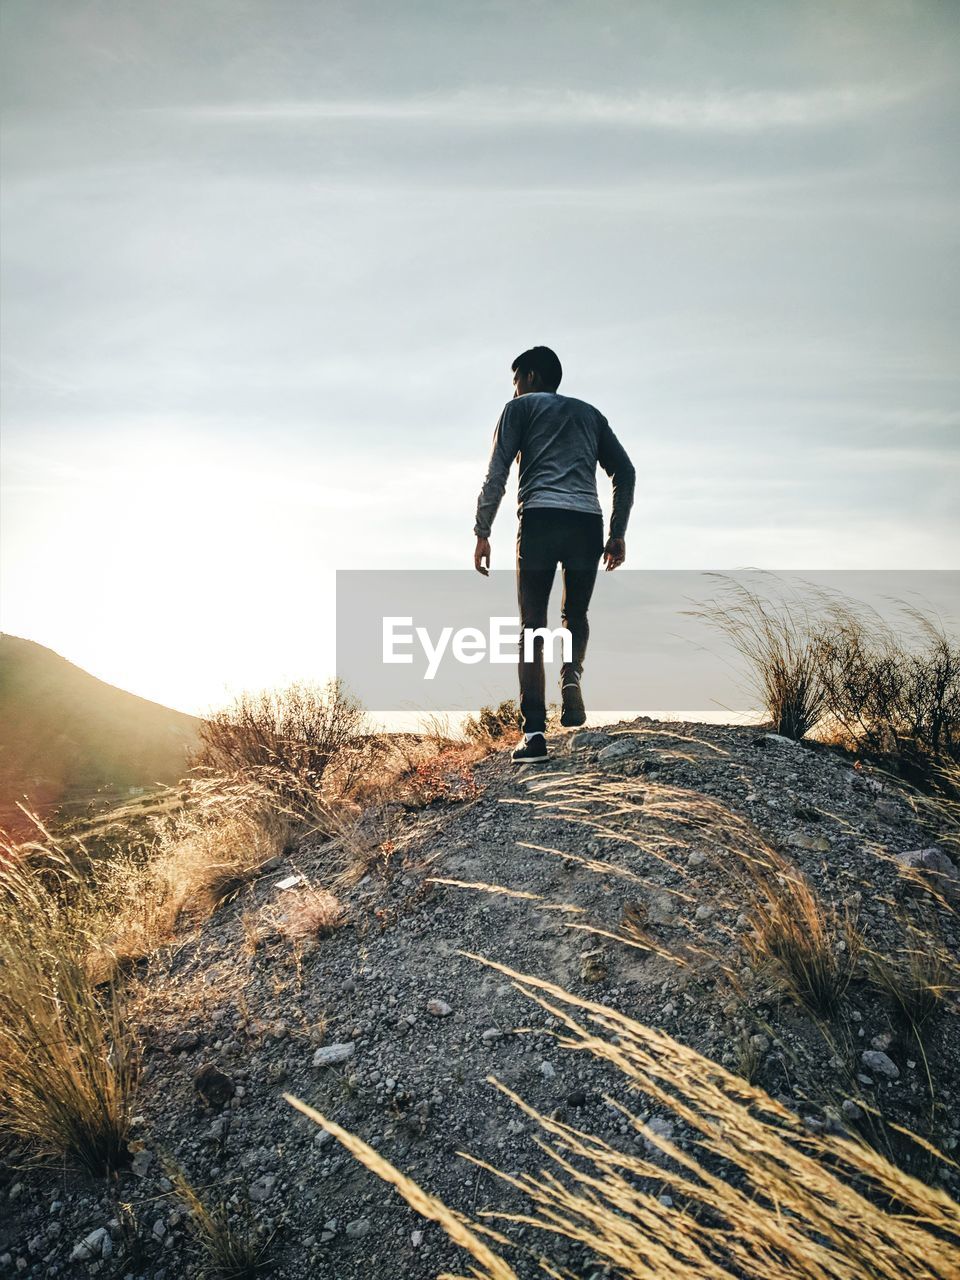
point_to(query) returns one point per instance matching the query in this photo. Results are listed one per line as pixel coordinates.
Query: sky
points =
(266, 264)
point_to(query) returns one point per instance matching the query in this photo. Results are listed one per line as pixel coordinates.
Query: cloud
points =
(720, 112)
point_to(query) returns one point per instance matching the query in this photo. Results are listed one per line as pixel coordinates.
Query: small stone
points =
(159, 1228)
(879, 1063)
(703, 912)
(760, 1043)
(669, 1009)
(185, 1042)
(696, 859)
(439, 1009)
(851, 1110)
(588, 740)
(490, 1035)
(91, 1246)
(358, 1228)
(593, 966)
(814, 844)
(660, 1128)
(141, 1163)
(262, 1189)
(213, 1085)
(416, 1239)
(578, 1098)
(332, 1054)
(663, 909)
(547, 1070)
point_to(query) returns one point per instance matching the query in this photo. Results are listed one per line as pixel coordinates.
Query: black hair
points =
(542, 361)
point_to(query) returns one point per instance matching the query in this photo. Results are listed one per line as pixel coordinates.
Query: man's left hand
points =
(614, 553)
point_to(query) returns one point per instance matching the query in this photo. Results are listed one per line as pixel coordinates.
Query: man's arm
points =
(506, 446)
(613, 458)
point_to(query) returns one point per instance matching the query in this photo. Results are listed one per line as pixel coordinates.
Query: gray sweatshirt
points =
(559, 441)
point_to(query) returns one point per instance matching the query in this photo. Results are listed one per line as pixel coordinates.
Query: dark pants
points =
(548, 537)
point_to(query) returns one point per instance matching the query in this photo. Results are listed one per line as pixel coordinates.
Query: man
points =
(559, 442)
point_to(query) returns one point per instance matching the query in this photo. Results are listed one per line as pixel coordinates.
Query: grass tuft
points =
(231, 1246)
(810, 949)
(779, 639)
(68, 1063)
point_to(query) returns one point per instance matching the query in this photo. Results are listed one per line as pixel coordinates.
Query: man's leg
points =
(537, 556)
(580, 555)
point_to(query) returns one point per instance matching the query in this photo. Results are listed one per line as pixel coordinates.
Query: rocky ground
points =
(387, 1027)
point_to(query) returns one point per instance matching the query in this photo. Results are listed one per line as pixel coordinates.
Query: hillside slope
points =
(389, 1028)
(66, 736)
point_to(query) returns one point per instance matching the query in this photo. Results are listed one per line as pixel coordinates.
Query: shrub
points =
(492, 724)
(889, 700)
(308, 745)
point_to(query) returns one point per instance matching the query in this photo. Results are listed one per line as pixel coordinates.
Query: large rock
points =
(330, 1055)
(618, 750)
(935, 867)
(879, 1063)
(588, 740)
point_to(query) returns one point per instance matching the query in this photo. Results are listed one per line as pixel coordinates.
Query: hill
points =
(69, 738)
(624, 878)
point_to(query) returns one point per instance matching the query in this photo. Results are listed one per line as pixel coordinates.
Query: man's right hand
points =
(481, 557)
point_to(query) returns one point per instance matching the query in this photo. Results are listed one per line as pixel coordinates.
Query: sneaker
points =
(574, 713)
(531, 751)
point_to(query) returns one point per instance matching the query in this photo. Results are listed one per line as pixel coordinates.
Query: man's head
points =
(536, 370)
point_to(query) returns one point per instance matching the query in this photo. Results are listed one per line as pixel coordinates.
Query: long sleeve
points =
(506, 446)
(613, 458)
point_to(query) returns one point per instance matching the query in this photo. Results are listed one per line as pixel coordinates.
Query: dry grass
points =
(201, 856)
(780, 641)
(230, 1244)
(310, 745)
(811, 950)
(939, 810)
(920, 980)
(68, 1066)
(493, 727)
(755, 1192)
(818, 660)
(893, 699)
(459, 1229)
(762, 1198)
(73, 923)
(309, 913)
